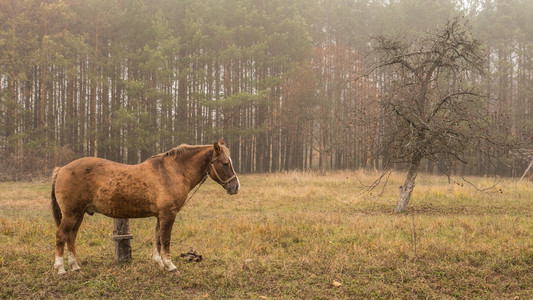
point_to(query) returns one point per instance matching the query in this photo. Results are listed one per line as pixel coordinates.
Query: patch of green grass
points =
(290, 235)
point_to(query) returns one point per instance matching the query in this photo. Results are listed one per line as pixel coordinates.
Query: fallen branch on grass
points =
(192, 255)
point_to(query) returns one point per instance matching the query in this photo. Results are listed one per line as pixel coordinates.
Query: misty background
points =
(281, 81)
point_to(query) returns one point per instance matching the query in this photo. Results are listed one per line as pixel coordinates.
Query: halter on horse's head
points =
(221, 168)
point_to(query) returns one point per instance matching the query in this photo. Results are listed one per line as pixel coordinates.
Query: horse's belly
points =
(121, 206)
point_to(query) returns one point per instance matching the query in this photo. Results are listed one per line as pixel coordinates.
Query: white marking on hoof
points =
(59, 262)
(73, 262)
(75, 267)
(169, 265)
(157, 258)
(59, 265)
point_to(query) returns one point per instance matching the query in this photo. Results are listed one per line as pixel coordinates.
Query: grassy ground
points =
(290, 235)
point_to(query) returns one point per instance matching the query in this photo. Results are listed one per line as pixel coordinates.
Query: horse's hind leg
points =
(71, 244)
(157, 245)
(62, 233)
(165, 232)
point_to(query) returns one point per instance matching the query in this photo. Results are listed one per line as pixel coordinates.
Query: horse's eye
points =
(225, 164)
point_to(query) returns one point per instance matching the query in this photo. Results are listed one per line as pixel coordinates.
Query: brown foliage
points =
(31, 164)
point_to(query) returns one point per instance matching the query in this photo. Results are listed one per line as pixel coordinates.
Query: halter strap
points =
(224, 182)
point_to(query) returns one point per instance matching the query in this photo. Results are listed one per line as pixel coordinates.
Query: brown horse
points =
(158, 187)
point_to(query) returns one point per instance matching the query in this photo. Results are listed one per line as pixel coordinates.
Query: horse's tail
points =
(56, 210)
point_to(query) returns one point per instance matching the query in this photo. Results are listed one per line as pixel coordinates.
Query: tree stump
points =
(122, 237)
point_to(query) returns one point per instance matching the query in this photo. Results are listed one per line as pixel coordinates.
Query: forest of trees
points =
(281, 81)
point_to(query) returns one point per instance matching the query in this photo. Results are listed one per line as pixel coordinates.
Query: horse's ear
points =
(222, 142)
(217, 148)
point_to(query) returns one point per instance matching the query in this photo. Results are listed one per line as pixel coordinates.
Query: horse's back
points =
(89, 171)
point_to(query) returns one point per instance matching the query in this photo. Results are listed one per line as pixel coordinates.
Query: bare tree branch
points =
(485, 189)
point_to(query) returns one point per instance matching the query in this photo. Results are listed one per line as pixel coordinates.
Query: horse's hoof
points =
(169, 265)
(172, 268)
(160, 264)
(74, 266)
(61, 271)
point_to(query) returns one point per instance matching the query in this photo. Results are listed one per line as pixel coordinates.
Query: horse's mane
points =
(177, 151)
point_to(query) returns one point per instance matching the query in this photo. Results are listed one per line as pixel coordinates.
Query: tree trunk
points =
(44, 69)
(182, 109)
(407, 188)
(92, 103)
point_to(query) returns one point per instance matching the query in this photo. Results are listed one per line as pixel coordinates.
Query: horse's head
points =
(221, 169)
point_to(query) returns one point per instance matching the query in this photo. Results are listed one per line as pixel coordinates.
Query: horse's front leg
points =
(165, 231)
(157, 245)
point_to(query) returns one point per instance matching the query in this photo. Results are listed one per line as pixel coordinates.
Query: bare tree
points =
(431, 106)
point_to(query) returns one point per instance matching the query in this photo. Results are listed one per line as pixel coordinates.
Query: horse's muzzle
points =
(232, 191)
(233, 186)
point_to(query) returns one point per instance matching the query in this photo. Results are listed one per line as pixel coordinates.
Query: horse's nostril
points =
(232, 191)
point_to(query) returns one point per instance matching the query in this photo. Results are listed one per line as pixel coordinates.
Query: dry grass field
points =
(290, 235)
